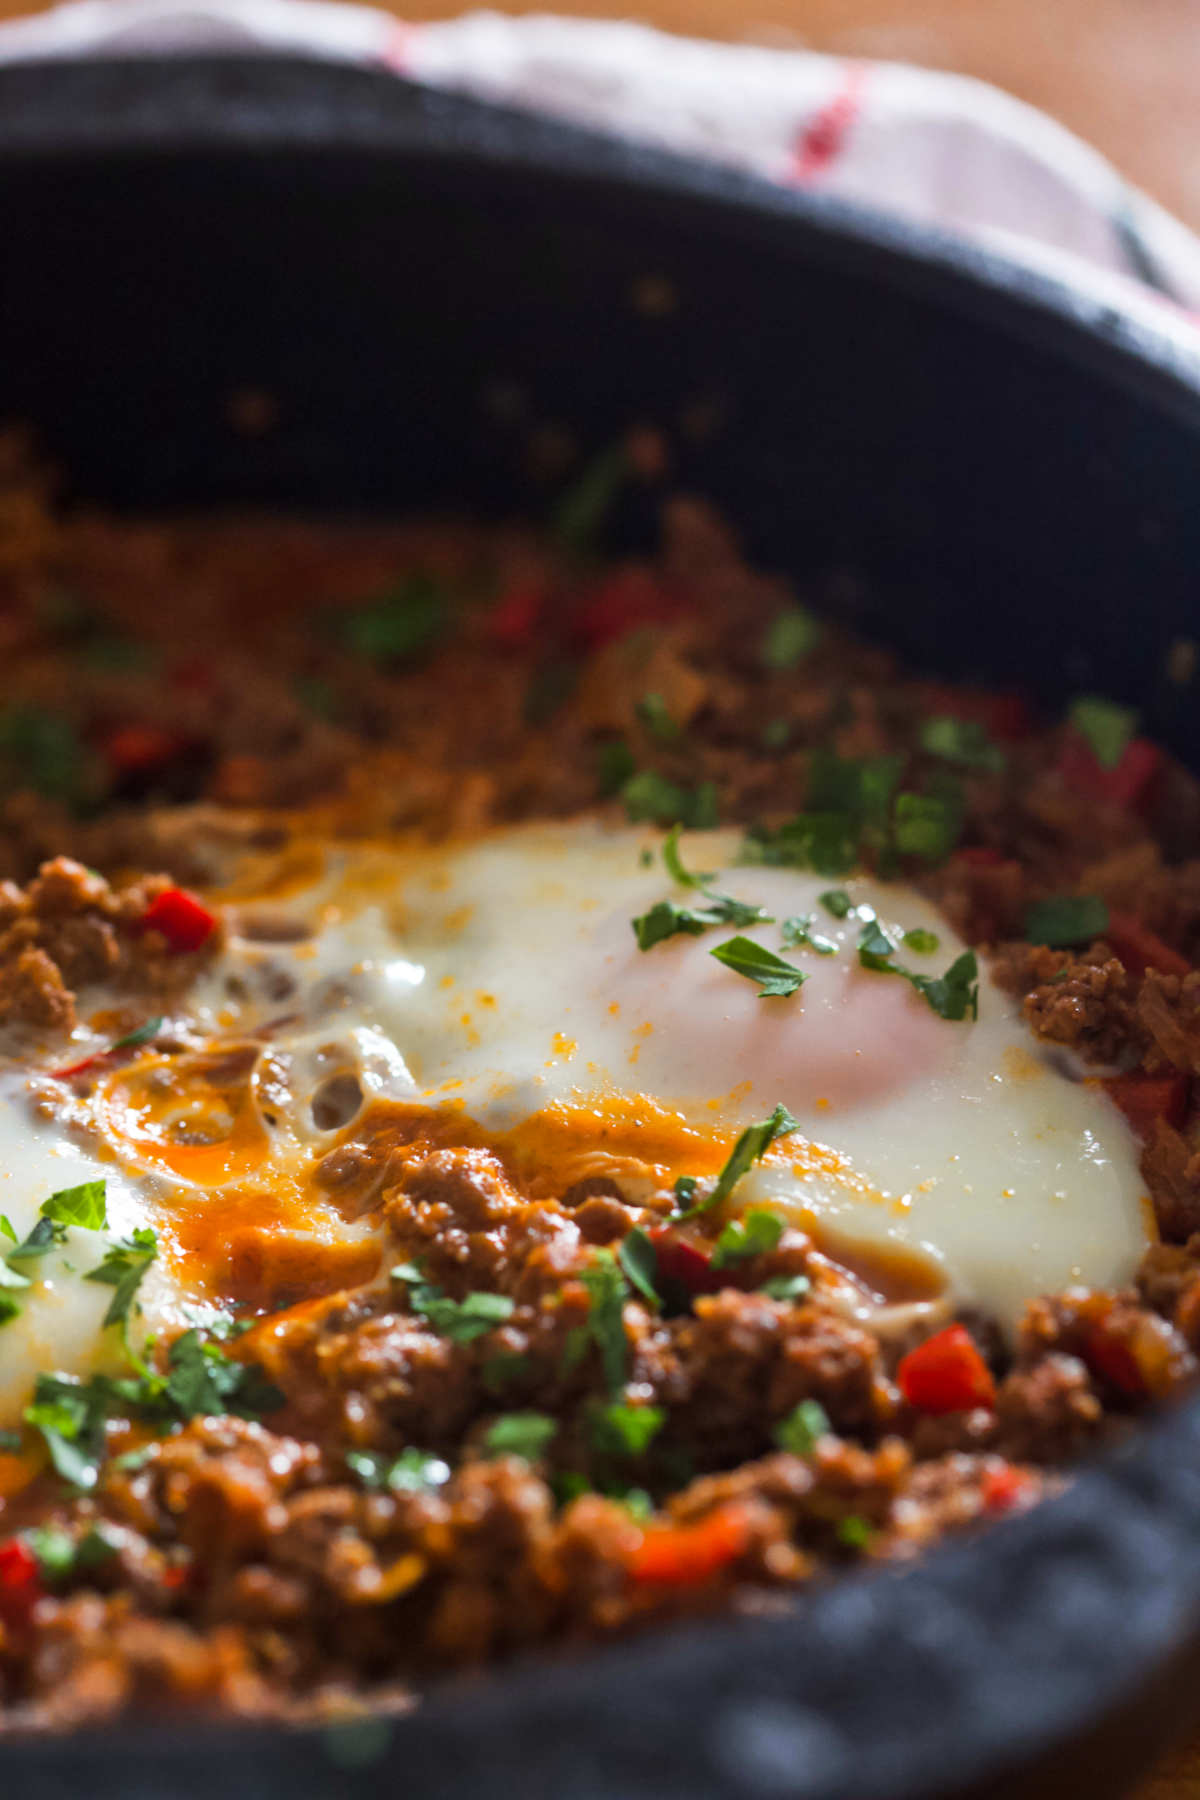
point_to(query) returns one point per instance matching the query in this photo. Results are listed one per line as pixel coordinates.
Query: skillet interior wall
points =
(1015, 517)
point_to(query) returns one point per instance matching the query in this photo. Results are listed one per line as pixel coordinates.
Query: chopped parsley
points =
(778, 978)
(84, 1205)
(666, 919)
(750, 1148)
(824, 842)
(927, 825)
(1066, 919)
(527, 1434)
(586, 504)
(964, 742)
(42, 751)
(786, 1287)
(924, 943)
(1106, 727)
(954, 995)
(799, 1432)
(854, 1532)
(790, 636)
(60, 1556)
(615, 765)
(607, 1291)
(639, 1259)
(755, 1235)
(653, 712)
(837, 902)
(403, 621)
(124, 1265)
(798, 933)
(412, 1472)
(142, 1035)
(673, 863)
(624, 1431)
(459, 1320)
(651, 796)
(684, 1189)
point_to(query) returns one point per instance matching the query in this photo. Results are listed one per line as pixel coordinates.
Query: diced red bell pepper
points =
(681, 1262)
(1146, 1098)
(1130, 784)
(139, 749)
(515, 617)
(946, 1374)
(686, 1555)
(1002, 1488)
(20, 1583)
(180, 918)
(1141, 949)
(621, 603)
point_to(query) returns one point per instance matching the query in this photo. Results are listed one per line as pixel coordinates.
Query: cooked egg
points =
(500, 980)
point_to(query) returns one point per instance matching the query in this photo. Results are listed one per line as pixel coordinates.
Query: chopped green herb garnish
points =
(607, 1292)
(778, 978)
(42, 751)
(854, 1532)
(674, 862)
(60, 1556)
(954, 995)
(623, 1431)
(775, 734)
(964, 742)
(83, 1205)
(125, 1263)
(836, 901)
(751, 1146)
(923, 942)
(755, 1235)
(790, 636)
(7, 1229)
(639, 1259)
(459, 1320)
(824, 842)
(684, 1189)
(1107, 727)
(615, 765)
(527, 1434)
(10, 1308)
(70, 1416)
(1066, 919)
(412, 1472)
(650, 796)
(202, 1379)
(142, 1035)
(927, 825)
(405, 620)
(798, 933)
(653, 713)
(860, 786)
(802, 1427)
(786, 1287)
(584, 507)
(665, 919)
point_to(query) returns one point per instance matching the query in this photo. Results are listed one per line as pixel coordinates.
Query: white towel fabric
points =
(944, 149)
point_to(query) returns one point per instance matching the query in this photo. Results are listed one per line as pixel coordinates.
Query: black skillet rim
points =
(987, 1654)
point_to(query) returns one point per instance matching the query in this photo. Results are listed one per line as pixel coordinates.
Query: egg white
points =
(502, 976)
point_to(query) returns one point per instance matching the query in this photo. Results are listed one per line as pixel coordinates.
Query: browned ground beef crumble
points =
(248, 1566)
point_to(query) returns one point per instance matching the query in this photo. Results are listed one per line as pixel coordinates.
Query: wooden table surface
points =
(1124, 74)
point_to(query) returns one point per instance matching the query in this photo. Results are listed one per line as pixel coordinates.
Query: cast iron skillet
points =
(428, 285)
